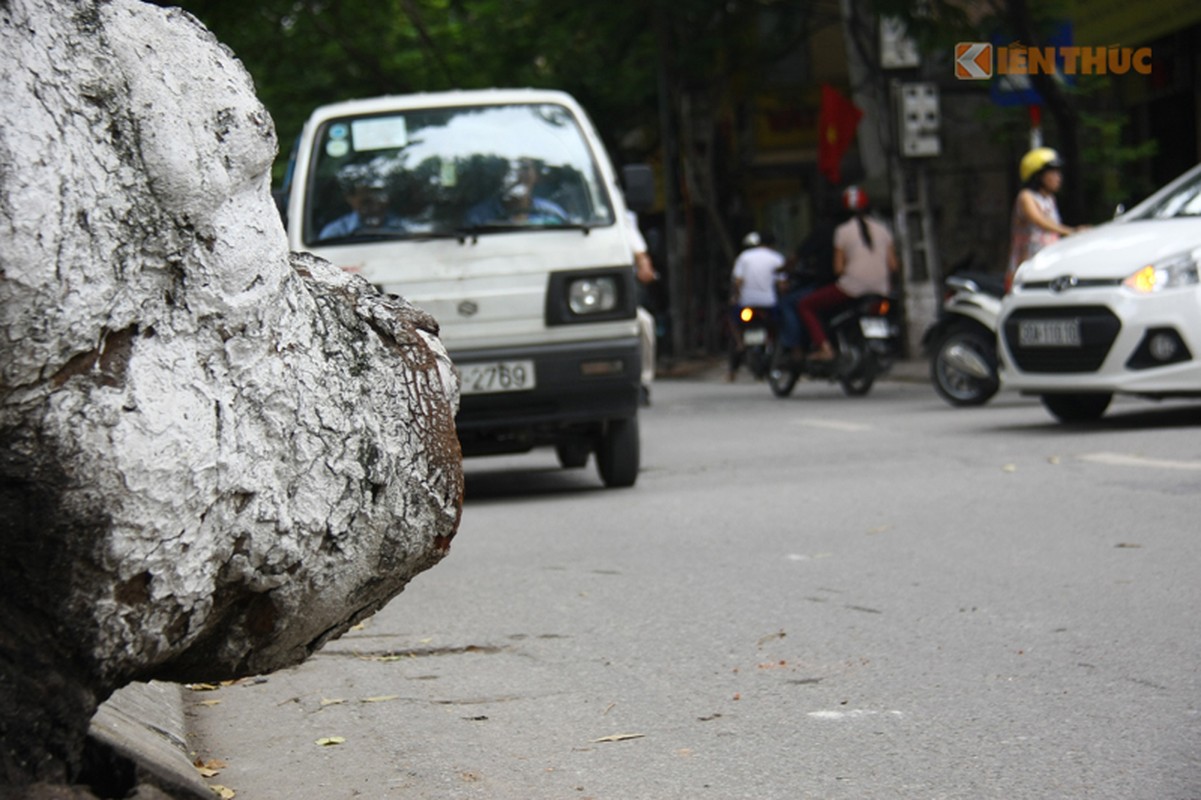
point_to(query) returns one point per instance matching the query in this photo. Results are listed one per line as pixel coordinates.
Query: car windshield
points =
(437, 172)
(1183, 201)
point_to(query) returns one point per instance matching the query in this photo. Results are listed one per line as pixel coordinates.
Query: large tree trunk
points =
(214, 455)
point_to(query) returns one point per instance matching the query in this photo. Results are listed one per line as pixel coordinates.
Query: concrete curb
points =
(144, 723)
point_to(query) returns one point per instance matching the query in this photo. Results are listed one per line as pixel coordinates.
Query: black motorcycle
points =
(757, 329)
(862, 335)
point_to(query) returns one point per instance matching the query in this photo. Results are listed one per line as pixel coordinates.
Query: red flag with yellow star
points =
(836, 123)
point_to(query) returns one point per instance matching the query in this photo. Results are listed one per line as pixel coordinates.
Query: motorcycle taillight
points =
(880, 308)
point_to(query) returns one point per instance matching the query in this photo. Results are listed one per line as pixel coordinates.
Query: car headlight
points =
(1170, 273)
(593, 295)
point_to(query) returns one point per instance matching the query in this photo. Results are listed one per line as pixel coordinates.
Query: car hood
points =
(1114, 250)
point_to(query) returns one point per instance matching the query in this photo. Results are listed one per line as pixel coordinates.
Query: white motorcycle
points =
(962, 343)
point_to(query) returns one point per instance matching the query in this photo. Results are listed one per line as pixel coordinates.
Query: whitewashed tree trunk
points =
(214, 455)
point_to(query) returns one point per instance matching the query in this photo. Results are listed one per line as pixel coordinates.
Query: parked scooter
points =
(962, 343)
(862, 335)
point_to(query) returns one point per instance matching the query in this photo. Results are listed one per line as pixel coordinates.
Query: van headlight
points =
(600, 294)
(1169, 273)
(594, 295)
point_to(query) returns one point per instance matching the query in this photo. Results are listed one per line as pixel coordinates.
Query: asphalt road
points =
(816, 597)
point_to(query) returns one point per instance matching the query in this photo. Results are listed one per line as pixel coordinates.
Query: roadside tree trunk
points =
(215, 455)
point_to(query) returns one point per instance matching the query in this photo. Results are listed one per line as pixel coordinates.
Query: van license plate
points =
(874, 327)
(492, 377)
(1049, 333)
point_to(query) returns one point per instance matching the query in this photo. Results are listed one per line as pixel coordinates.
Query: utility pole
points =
(916, 114)
(675, 276)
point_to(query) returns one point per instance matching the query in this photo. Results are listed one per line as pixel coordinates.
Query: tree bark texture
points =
(214, 455)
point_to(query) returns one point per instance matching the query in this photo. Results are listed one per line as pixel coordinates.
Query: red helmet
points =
(854, 198)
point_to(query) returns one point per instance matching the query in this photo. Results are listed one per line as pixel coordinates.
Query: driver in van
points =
(516, 202)
(366, 193)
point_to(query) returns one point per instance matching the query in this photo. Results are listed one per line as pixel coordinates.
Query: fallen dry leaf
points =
(211, 768)
(224, 792)
(330, 741)
(381, 698)
(203, 687)
(209, 703)
(1010, 468)
(620, 737)
(331, 701)
(777, 635)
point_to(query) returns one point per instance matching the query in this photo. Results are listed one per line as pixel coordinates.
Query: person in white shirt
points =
(757, 272)
(644, 271)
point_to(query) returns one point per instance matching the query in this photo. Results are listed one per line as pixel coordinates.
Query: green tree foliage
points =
(303, 53)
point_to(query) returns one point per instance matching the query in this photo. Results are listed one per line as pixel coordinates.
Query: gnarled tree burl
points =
(214, 455)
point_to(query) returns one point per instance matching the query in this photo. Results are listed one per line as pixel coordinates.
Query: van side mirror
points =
(639, 182)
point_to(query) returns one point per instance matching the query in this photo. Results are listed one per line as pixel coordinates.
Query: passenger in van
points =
(517, 201)
(367, 195)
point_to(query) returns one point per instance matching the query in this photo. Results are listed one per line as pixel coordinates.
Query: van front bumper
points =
(578, 388)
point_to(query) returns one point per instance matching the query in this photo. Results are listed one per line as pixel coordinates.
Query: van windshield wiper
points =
(362, 236)
(509, 227)
(392, 236)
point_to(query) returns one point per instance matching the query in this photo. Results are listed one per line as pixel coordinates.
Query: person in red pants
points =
(864, 260)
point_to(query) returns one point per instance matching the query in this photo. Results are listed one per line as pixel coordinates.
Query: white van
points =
(497, 212)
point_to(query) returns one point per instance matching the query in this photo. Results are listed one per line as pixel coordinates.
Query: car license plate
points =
(874, 327)
(496, 376)
(754, 336)
(1049, 333)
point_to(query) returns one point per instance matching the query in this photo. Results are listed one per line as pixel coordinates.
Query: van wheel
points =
(572, 455)
(618, 453)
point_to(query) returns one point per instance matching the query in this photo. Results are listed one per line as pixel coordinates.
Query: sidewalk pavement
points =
(145, 722)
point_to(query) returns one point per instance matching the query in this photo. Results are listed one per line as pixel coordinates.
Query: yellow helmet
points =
(1037, 160)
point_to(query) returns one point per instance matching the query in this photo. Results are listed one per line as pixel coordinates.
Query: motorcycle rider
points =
(864, 260)
(812, 268)
(752, 283)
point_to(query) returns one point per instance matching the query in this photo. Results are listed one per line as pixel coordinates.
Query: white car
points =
(1116, 309)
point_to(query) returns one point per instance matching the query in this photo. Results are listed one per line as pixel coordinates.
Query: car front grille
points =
(1098, 329)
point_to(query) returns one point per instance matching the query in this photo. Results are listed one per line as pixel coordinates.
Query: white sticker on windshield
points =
(380, 133)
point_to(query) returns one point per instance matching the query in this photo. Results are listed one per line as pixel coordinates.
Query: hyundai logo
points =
(1063, 283)
(468, 308)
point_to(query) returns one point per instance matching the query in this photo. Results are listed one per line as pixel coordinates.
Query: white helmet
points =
(751, 240)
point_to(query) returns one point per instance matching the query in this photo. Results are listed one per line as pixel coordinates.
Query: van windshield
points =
(452, 172)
